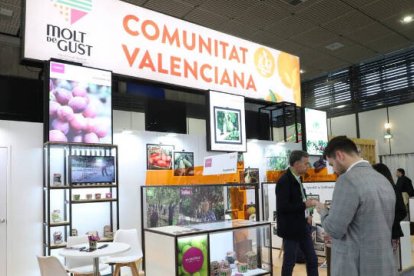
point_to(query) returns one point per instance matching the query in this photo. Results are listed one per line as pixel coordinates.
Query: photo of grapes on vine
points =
(79, 112)
(227, 125)
(183, 163)
(159, 157)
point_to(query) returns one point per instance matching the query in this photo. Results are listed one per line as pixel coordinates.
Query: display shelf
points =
(58, 187)
(196, 229)
(68, 162)
(252, 272)
(211, 242)
(93, 200)
(56, 246)
(62, 223)
(93, 186)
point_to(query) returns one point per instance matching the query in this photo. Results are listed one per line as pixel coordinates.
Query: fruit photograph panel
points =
(80, 104)
(183, 163)
(159, 157)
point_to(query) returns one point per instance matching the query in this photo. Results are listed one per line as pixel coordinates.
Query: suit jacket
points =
(360, 221)
(291, 222)
(405, 185)
(400, 214)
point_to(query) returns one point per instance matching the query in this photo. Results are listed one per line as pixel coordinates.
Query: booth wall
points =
(344, 125)
(371, 125)
(25, 199)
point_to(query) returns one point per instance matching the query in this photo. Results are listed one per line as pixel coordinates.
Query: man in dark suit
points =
(404, 183)
(292, 225)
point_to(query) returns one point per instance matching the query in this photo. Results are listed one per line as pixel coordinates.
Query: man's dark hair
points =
(401, 170)
(341, 143)
(297, 155)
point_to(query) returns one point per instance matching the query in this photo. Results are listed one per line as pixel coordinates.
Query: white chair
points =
(77, 266)
(51, 266)
(133, 257)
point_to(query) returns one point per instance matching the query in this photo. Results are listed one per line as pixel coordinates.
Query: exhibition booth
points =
(202, 192)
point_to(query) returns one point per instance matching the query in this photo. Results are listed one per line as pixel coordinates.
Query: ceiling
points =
(367, 29)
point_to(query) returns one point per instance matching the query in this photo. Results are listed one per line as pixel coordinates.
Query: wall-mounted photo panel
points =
(80, 104)
(183, 163)
(159, 157)
(316, 131)
(226, 128)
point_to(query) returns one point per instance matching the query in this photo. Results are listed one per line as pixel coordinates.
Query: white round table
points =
(113, 248)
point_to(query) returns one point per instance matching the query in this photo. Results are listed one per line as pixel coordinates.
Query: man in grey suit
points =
(361, 214)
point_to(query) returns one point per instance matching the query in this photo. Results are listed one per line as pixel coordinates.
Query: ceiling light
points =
(341, 106)
(407, 19)
(334, 46)
(302, 71)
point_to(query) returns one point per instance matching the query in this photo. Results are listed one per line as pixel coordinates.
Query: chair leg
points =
(281, 251)
(117, 270)
(134, 269)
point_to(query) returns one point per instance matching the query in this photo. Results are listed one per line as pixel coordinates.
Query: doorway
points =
(4, 161)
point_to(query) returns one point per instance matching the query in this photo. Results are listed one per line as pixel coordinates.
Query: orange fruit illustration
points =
(264, 62)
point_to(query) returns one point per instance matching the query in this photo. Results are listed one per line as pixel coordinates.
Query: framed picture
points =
(183, 163)
(227, 127)
(159, 157)
(226, 123)
(251, 175)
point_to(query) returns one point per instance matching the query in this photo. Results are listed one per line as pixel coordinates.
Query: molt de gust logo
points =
(67, 39)
(73, 10)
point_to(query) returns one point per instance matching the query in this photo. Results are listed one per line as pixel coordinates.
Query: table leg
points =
(96, 266)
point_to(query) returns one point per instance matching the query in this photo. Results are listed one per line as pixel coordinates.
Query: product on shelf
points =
(224, 264)
(76, 197)
(108, 232)
(231, 257)
(108, 195)
(88, 196)
(242, 267)
(74, 232)
(57, 179)
(57, 237)
(251, 258)
(56, 216)
(97, 196)
(225, 272)
(214, 268)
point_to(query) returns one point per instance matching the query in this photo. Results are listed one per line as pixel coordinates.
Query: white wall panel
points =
(25, 198)
(401, 119)
(343, 125)
(371, 125)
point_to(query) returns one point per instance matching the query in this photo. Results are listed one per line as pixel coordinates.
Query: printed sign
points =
(193, 260)
(316, 131)
(133, 41)
(220, 164)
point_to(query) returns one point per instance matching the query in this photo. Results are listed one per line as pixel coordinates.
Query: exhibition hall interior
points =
(149, 137)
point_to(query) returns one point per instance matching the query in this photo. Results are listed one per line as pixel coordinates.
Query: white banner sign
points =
(220, 164)
(133, 41)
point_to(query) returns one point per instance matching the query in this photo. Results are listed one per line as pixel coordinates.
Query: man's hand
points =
(320, 206)
(311, 203)
(309, 220)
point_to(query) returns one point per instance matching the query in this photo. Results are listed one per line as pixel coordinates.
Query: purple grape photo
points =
(79, 112)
